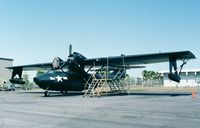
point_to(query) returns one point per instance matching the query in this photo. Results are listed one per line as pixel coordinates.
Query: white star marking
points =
(59, 79)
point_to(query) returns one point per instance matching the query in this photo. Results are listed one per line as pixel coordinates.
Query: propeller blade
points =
(70, 49)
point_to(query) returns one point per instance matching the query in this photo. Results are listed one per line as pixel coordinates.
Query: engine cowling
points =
(56, 63)
(77, 57)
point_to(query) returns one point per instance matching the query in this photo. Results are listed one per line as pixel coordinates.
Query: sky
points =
(36, 31)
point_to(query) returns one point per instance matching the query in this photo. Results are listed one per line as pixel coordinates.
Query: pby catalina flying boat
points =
(73, 73)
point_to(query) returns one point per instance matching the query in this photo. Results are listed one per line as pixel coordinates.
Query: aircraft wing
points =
(44, 66)
(139, 59)
(30, 67)
(123, 60)
(17, 71)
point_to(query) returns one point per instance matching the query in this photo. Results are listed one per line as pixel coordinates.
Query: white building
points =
(189, 77)
(5, 74)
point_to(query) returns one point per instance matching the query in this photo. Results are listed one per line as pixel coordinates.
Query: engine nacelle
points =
(17, 81)
(174, 77)
(77, 57)
(57, 62)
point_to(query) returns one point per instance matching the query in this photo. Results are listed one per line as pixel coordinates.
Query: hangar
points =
(5, 74)
(189, 77)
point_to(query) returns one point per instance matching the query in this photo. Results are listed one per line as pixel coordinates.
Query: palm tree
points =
(145, 74)
(151, 75)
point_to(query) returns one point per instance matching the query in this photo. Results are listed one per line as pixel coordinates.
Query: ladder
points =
(112, 86)
(91, 88)
(95, 88)
(119, 74)
(120, 86)
(104, 85)
(101, 88)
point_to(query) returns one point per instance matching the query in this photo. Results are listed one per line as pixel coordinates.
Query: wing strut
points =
(175, 76)
(17, 76)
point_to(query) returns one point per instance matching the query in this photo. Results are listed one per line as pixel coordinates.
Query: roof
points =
(6, 59)
(184, 70)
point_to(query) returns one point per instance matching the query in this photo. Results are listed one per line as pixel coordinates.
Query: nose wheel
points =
(46, 93)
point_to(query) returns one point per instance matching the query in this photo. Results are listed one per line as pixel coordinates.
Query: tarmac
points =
(33, 110)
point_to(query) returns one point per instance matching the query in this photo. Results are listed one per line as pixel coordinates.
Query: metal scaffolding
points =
(105, 84)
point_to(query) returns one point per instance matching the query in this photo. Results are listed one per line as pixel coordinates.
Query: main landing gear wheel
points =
(46, 93)
(63, 92)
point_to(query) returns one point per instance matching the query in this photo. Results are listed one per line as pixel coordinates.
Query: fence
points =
(137, 82)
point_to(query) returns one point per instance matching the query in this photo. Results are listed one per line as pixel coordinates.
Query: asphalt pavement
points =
(33, 110)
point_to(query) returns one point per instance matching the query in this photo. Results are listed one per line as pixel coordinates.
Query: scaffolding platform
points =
(106, 80)
(95, 87)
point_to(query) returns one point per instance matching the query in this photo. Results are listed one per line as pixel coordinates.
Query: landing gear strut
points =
(46, 93)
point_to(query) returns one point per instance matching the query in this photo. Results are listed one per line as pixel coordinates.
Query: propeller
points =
(58, 63)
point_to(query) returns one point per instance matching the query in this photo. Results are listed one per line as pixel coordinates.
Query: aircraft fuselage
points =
(60, 81)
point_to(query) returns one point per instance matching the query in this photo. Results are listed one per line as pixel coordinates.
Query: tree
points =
(25, 78)
(39, 72)
(28, 85)
(151, 77)
(144, 74)
(158, 76)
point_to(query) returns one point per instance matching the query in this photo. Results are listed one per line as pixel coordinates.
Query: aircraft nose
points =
(36, 80)
(39, 82)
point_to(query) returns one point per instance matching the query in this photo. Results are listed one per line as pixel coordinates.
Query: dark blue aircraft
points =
(71, 75)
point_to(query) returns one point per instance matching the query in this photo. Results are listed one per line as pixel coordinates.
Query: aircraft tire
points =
(63, 92)
(46, 93)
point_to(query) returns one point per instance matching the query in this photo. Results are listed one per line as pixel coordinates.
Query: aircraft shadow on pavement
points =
(161, 94)
(56, 94)
(150, 94)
